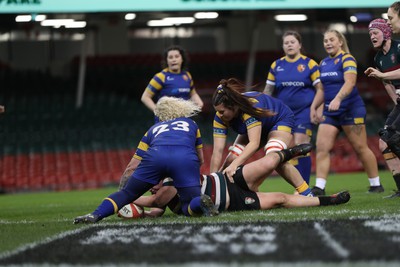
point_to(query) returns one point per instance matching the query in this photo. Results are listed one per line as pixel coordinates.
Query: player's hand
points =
(229, 172)
(334, 105)
(368, 71)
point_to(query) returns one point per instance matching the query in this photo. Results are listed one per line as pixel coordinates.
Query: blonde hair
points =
(341, 38)
(168, 108)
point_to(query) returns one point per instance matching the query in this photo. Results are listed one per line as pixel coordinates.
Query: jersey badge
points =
(185, 77)
(393, 58)
(337, 61)
(301, 67)
(249, 200)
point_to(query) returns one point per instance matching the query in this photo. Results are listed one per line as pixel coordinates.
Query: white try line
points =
(331, 242)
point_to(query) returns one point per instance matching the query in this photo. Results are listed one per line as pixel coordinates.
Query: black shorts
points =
(241, 199)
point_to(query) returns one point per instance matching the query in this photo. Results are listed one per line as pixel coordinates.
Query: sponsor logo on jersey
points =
(183, 90)
(293, 83)
(249, 200)
(279, 68)
(301, 68)
(330, 74)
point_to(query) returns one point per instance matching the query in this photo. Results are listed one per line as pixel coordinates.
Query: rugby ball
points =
(131, 211)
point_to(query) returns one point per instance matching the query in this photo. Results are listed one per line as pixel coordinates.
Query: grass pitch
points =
(33, 218)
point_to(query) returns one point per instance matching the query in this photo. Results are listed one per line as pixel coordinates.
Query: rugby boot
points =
(207, 206)
(376, 189)
(297, 150)
(316, 191)
(88, 218)
(335, 199)
(396, 194)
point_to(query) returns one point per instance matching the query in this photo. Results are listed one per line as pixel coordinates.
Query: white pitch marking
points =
(332, 243)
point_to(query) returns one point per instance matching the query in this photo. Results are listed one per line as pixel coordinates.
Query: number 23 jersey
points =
(176, 132)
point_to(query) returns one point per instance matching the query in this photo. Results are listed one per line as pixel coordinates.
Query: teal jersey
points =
(294, 82)
(166, 83)
(390, 61)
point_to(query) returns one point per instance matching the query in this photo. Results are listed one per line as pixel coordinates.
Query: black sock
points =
(324, 200)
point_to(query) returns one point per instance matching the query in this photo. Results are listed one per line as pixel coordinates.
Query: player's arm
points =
(218, 150)
(390, 75)
(128, 172)
(316, 108)
(350, 79)
(147, 100)
(254, 135)
(196, 99)
(391, 90)
(269, 89)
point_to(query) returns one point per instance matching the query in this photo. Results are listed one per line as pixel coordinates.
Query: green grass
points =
(32, 217)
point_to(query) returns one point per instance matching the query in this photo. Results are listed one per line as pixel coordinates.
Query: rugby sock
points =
(324, 200)
(303, 165)
(374, 181)
(105, 209)
(194, 208)
(304, 189)
(320, 183)
(111, 204)
(191, 200)
(396, 178)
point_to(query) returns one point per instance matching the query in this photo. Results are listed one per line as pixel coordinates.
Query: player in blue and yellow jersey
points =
(294, 79)
(260, 121)
(173, 80)
(170, 148)
(387, 59)
(241, 195)
(343, 110)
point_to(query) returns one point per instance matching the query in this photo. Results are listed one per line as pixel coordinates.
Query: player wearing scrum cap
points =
(387, 59)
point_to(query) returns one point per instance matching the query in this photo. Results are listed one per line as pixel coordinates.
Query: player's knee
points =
(274, 145)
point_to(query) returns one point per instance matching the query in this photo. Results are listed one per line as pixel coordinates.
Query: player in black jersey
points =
(387, 59)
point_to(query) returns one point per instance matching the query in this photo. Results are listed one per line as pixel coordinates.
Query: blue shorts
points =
(181, 163)
(353, 115)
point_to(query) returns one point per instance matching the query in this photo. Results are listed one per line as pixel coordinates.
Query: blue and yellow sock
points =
(304, 190)
(303, 165)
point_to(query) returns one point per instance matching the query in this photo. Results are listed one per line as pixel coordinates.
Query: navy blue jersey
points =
(166, 83)
(390, 61)
(283, 119)
(294, 82)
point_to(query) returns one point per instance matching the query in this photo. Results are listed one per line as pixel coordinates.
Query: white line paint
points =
(331, 242)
